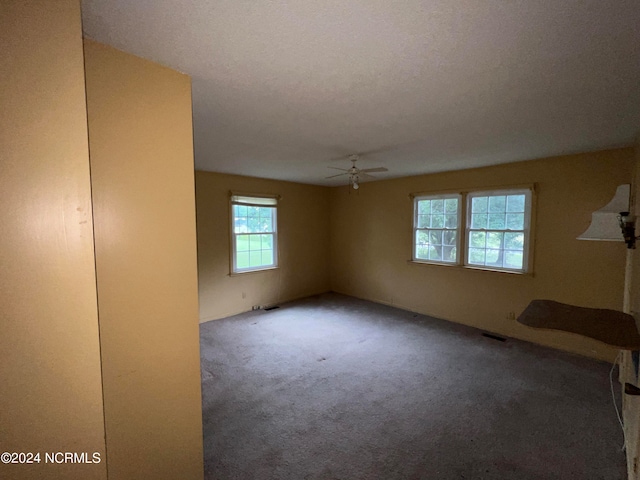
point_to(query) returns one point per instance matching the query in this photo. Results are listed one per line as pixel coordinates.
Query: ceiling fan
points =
(357, 174)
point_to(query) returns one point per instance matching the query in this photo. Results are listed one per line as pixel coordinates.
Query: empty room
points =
(320, 240)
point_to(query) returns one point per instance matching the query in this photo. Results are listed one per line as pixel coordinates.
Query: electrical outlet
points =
(244, 294)
(511, 316)
(255, 307)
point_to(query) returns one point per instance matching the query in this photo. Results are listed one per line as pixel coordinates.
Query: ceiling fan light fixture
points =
(354, 172)
(354, 181)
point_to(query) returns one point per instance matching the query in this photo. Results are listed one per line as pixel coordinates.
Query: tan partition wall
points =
(50, 391)
(143, 190)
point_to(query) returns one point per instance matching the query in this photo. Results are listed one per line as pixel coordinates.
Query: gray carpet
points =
(332, 387)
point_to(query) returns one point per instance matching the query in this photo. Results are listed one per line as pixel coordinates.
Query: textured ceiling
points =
(284, 89)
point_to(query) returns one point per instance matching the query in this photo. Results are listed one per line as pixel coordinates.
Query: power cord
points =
(615, 405)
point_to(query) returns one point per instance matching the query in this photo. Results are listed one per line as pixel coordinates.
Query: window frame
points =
(252, 200)
(416, 228)
(526, 230)
(464, 230)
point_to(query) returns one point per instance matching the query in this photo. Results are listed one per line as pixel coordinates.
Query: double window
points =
(254, 233)
(482, 229)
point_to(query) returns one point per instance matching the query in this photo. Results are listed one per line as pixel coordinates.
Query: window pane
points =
(451, 205)
(449, 237)
(479, 205)
(451, 221)
(254, 242)
(515, 203)
(476, 256)
(423, 221)
(515, 221)
(266, 225)
(266, 219)
(266, 242)
(435, 237)
(240, 210)
(422, 252)
(513, 259)
(492, 257)
(494, 240)
(496, 220)
(437, 206)
(239, 224)
(449, 254)
(435, 253)
(242, 260)
(242, 243)
(253, 224)
(437, 221)
(424, 206)
(265, 212)
(478, 220)
(255, 259)
(239, 220)
(514, 241)
(422, 237)
(478, 239)
(267, 257)
(497, 204)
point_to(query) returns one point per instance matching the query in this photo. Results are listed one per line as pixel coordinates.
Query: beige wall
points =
(371, 246)
(143, 189)
(50, 392)
(303, 244)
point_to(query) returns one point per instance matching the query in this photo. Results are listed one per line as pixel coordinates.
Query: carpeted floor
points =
(333, 387)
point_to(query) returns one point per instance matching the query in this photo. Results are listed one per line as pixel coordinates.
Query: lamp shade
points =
(604, 222)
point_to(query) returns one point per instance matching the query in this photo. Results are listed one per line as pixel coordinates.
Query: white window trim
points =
(464, 232)
(528, 194)
(252, 200)
(442, 196)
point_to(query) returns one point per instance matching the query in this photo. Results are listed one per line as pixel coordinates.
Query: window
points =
(435, 228)
(497, 229)
(495, 234)
(254, 233)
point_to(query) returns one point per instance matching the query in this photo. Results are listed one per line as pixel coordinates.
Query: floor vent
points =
(272, 308)
(494, 337)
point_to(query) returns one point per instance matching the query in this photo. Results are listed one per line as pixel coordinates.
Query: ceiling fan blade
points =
(343, 169)
(338, 175)
(361, 153)
(382, 149)
(365, 176)
(372, 170)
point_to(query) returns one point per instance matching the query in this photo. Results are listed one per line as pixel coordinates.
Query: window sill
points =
(426, 262)
(470, 267)
(258, 270)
